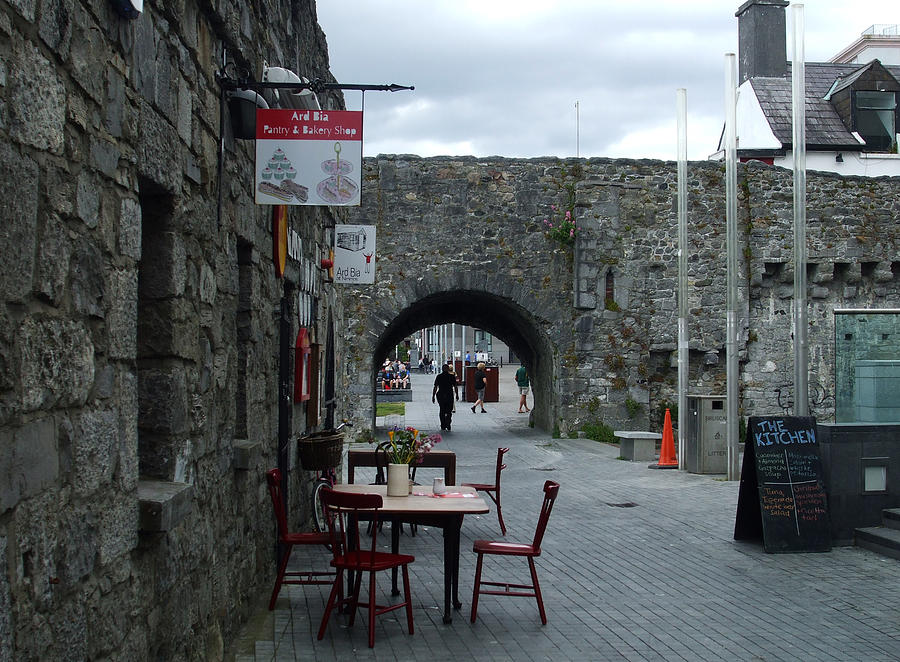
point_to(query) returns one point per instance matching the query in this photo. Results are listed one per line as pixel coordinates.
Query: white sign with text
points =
(308, 157)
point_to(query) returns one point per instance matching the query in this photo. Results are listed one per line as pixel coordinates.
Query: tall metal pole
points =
(464, 350)
(731, 358)
(453, 342)
(577, 132)
(798, 92)
(437, 347)
(683, 356)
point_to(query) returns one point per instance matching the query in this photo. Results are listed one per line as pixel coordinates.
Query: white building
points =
(852, 116)
(878, 42)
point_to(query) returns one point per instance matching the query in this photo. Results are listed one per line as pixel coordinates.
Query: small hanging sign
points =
(308, 157)
(354, 254)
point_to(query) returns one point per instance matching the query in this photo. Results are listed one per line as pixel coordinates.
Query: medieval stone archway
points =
(461, 241)
(501, 317)
(507, 312)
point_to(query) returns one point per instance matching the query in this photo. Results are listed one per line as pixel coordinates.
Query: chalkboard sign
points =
(782, 497)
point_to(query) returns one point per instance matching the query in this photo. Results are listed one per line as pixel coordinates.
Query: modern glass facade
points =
(867, 366)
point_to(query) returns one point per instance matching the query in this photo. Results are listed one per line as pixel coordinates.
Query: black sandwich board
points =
(782, 496)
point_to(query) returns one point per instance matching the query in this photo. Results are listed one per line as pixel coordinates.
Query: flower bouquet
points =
(406, 446)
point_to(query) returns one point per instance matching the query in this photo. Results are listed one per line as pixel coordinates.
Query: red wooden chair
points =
(344, 513)
(529, 551)
(288, 540)
(493, 489)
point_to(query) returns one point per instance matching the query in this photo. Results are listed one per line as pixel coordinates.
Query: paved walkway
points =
(638, 564)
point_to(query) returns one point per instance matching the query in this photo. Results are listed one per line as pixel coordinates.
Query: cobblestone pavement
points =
(637, 564)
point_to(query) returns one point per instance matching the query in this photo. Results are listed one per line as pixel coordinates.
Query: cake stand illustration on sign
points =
(338, 189)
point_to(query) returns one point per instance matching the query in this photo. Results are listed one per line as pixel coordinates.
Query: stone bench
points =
(637, 446)
(393, 395)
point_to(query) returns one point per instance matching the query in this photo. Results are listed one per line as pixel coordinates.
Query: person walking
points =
(453, 372)
(523, 383)
(478, 380)
(445, 387)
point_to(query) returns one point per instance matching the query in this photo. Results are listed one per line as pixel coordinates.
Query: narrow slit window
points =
(610, 297)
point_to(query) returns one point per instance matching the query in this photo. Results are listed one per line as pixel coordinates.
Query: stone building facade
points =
(145, 338)
(144, 335)
(464, 240)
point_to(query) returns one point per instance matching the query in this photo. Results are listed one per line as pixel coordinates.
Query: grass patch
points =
(390, 408)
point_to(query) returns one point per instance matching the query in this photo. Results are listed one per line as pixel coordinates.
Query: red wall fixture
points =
(301, 366)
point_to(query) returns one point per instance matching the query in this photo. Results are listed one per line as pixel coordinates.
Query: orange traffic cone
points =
(667, 459)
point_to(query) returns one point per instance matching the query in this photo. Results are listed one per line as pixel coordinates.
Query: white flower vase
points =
(398, 480)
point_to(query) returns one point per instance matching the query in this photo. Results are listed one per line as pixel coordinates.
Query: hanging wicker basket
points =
(321, 450)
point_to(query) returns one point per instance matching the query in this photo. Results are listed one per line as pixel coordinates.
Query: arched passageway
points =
(498, 315)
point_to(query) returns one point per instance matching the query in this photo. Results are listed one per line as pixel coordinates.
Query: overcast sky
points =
(502, 77)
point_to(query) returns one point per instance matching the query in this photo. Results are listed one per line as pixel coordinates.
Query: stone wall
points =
(139, 327)
(597, 321)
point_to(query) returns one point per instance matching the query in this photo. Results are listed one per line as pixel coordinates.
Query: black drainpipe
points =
(284, 395)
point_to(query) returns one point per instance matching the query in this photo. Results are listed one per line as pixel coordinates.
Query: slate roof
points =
(824, 128)
(847, 81)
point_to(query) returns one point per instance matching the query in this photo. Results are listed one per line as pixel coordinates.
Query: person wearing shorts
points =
(522, 382)
(478, 380)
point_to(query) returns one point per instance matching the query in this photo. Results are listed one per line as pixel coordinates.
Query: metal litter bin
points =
(706, 448)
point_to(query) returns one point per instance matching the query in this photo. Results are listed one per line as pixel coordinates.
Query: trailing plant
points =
(593, 406)
(560, 228)
(633, 407)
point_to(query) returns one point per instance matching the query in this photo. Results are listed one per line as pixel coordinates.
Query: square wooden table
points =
(437, 458)
(422, 507)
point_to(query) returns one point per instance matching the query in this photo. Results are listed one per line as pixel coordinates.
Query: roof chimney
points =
(762, 41)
